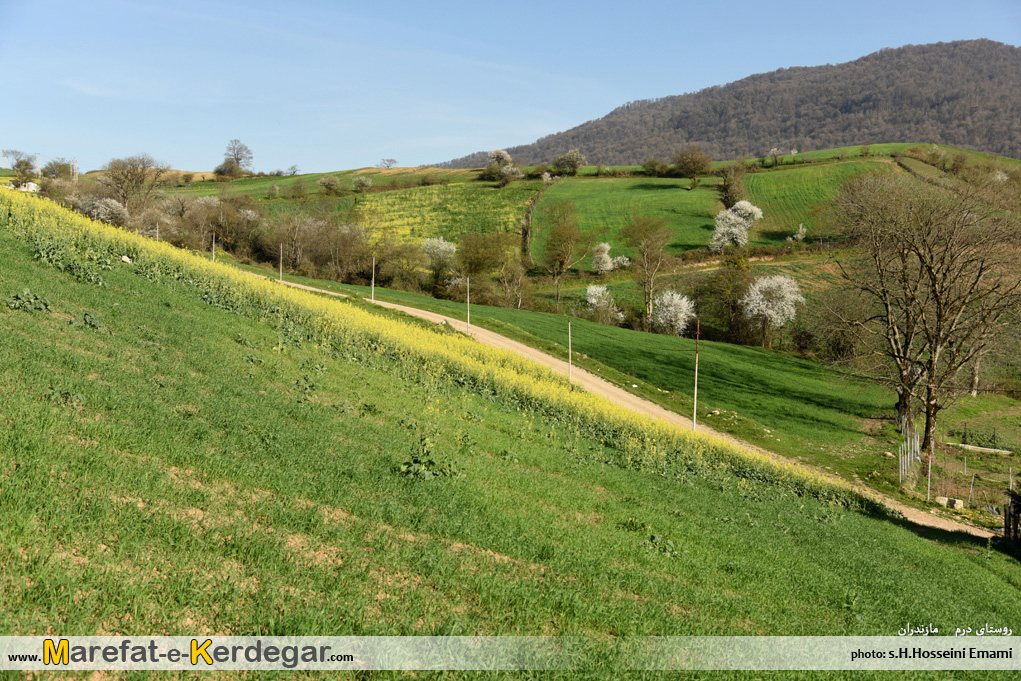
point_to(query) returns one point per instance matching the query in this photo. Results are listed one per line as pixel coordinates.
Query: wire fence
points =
(978, 480)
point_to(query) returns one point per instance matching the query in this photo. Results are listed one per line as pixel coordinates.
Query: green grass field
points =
(167, 467)
(795, 407)
(794, 195)
(788, 196)
(606, 205)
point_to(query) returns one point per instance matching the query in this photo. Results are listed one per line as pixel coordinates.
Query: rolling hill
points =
(960, 93)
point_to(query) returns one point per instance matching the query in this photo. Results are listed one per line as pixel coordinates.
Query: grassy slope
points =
(799, 195)
(449, 210)
(788, 196)
(795, 407)
(169, 476)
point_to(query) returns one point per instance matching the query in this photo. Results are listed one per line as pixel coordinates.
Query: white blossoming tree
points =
(509, 173)
(601, 262)
(601, 305)
(672, 312)
(771, 301)
(732, 225)
(440, 253)
(499, 157)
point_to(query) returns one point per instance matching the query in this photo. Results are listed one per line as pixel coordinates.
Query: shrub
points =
(509, 173)
(654, 167)
(330, 184)
(361, 183)
(569, 163)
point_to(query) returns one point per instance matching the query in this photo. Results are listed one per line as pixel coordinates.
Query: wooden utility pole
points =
(214, 247)
(281, 261)
(694, 407)
(468, 302)
(570, 355)
(372, 296)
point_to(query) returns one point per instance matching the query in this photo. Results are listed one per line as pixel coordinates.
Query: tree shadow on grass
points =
(956, 538)
(647, 186)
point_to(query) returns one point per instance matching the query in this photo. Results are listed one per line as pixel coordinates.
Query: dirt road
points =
(597, 385)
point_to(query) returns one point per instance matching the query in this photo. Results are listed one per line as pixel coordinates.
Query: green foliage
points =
(423, 464)
(82, 266)
(660, 544)
(655, 167)
(89, 321)
(29, 302)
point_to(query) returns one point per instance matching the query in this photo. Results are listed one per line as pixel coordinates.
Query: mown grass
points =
(794, 195)
(170, 473)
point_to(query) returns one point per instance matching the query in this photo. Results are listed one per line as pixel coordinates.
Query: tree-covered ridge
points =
(961, 93)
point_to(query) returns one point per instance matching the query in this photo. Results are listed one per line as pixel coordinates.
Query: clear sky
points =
(336, 85)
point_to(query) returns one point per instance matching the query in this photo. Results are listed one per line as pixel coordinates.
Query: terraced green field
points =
(795, 195)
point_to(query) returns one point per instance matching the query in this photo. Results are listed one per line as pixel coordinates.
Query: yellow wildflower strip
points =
(637, 440)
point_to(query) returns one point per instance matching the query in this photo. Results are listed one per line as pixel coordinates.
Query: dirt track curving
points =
(600, 386)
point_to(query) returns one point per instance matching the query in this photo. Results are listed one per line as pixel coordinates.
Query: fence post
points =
(972, 488)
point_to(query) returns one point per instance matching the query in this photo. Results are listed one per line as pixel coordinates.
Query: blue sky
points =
(335, 85)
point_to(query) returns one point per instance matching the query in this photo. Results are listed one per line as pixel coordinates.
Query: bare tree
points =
(565, 246)
(939, 269)
(238, 154)
(386, 163)
(648, 237)
(134, 180)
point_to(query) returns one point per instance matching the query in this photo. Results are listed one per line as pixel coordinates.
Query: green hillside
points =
(788, 196)
(416, 204)
(188, 450)
(798, 408)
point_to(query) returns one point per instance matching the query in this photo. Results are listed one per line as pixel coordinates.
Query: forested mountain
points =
(963, 93)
